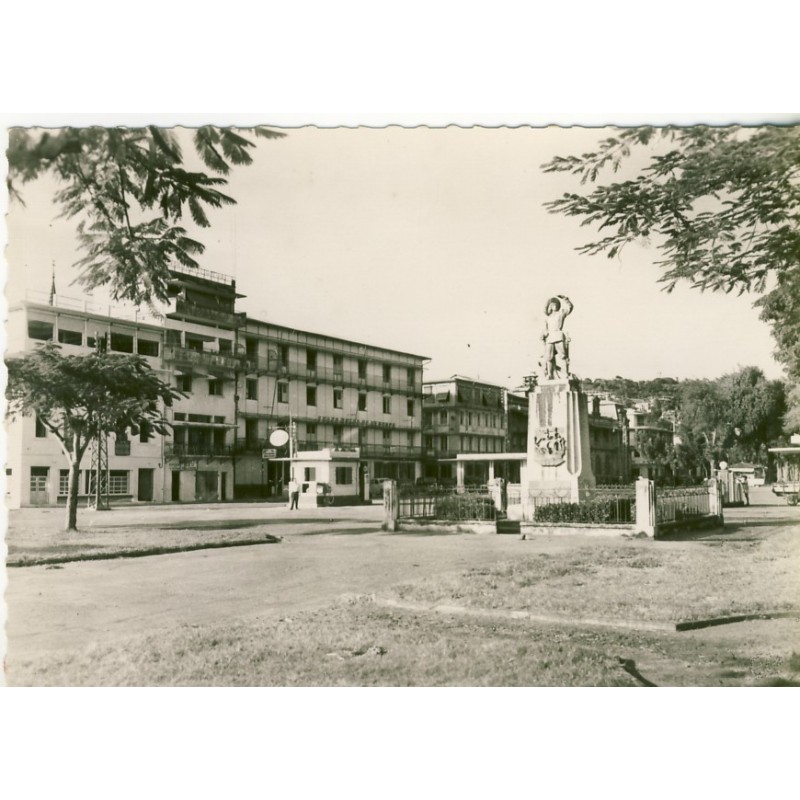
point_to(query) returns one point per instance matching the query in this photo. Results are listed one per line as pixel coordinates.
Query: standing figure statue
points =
(556, 342)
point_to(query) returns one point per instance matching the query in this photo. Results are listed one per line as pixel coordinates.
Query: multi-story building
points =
(649, 441)
(608, 441)
(355, 410)
(352, 412)
(461, 415)
(36, 470)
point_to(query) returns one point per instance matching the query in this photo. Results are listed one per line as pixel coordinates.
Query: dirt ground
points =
(324, 555)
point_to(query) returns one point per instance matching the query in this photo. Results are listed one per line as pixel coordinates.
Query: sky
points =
(434, 242)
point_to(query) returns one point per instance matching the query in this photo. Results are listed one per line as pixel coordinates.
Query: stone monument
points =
(559, 463)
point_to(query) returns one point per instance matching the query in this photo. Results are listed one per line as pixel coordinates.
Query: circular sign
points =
(278, 437)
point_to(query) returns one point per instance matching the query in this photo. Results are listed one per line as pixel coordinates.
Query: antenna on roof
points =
(53, 284)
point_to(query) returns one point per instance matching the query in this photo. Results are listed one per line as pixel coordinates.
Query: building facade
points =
(351, 412)
(461, 415)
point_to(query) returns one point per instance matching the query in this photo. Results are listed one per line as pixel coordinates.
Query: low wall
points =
(529, 530)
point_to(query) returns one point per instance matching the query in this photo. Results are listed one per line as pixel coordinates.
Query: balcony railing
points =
(198, 450)
(335, 375)
(206, 358)
(188, 309)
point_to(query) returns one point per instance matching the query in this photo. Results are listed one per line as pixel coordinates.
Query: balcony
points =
(391, 450)
(203, 358)
(198, 450)
(184, 308)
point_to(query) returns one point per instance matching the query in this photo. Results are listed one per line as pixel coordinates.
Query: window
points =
(362, 401)
(387, 404)
(180, 416)
(443, 418)
(311, 430)
(409, 408)
(387, 373)
(122, 447)
(311, 395)
(145, 432)
(225, 346)
(338, 364)
(410, 439)
(283, 392)
(338, 398)
(337, 434)
(443, 443)
(122, 342)
(411, 376)
(251, 389)
(251, 432)
(344, 476)
(311, 359)
(215, 387)
(40, 330)
(184, 383)
(387, 437)
(309, 474)
(118, 481)
(251, 348)
(283, 355)
(362, 369)
(41, 430)
(146, 347)
(70, 337)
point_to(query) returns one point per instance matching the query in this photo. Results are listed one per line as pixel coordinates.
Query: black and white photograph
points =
(307, 405)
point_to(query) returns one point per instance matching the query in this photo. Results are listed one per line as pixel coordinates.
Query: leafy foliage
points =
(723, 203)
(75, 396)
(595, 511)
(128, 189)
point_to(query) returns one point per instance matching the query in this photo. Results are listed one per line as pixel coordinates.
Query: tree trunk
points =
(72, 495)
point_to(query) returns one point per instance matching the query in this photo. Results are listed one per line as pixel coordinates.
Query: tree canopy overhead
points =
(721, 204)
(128, 189)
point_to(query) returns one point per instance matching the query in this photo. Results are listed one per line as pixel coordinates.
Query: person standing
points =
(294, 494)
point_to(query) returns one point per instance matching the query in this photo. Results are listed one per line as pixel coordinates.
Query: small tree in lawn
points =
(75, 396)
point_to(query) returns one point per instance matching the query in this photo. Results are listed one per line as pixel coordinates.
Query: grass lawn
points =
(360, 644)
(27, 547)
(636, 580)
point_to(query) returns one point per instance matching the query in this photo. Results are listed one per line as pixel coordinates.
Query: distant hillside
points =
(665, 390)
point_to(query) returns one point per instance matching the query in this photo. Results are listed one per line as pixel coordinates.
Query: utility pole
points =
(99, 464)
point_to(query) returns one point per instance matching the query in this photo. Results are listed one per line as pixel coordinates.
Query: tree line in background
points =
(734, 418)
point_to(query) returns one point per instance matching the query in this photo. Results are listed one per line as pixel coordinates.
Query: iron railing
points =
(464, 504)
(189, 309)
(683, 503)
(184, 355)
(197, 450)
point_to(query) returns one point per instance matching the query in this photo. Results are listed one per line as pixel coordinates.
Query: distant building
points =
(460, 415)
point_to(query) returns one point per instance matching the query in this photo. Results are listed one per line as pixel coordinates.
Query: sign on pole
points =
(269, 453)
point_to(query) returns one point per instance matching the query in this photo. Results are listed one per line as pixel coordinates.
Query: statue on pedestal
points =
(556, 342)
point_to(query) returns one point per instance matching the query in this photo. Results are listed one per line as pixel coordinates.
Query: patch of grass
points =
(630, 580)
(348, 645)
(356, 643)
(794, 662)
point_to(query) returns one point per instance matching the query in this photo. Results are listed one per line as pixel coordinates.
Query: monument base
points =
(559, 461)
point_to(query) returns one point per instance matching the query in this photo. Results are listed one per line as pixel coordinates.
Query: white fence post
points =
(645, 507)
(715, 499)
(391, 506)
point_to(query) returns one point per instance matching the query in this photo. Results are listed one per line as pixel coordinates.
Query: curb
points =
(696, 624)
(143, 553)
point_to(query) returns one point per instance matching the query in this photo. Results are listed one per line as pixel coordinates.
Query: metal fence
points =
(684, 503)
(473, 504)
(611, 504)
